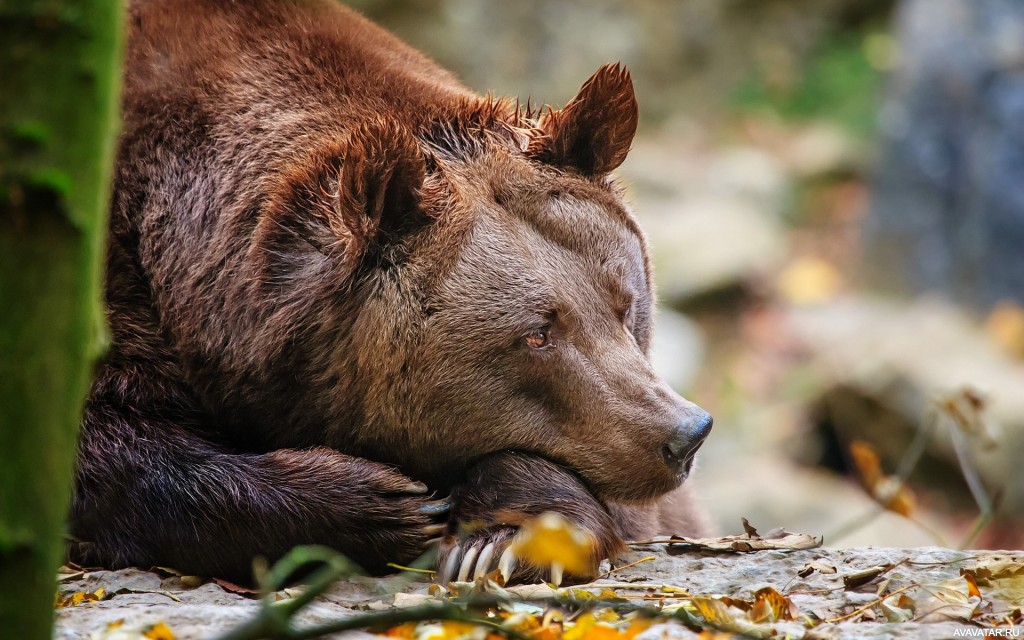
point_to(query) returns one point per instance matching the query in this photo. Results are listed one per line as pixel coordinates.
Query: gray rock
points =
(204, 611)
(904, 356)
(704, 244)
(948, 212)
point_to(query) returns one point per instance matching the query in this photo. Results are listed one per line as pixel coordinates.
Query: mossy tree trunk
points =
(59, 86)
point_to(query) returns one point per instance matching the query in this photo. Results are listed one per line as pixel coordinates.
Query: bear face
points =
(532, 314)
(538, 336)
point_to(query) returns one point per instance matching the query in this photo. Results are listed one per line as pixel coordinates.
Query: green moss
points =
(840, 82)
(51, 179)
(30, 131)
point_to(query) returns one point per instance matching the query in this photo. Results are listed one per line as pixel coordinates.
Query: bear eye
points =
(539, 338)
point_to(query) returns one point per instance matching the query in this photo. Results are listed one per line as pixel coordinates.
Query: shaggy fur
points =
(337, 280)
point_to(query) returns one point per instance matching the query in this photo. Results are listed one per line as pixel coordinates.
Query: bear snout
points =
(686, 438)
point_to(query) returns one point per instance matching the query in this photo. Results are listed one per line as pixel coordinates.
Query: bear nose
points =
(687, 438)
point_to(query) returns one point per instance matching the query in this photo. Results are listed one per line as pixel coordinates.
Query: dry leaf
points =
(748, 529)
(80, 597)
(820, 567)
(234, 588)
(967, 409)
(159, 631)
(861, 578)
(782, 540)
(888, 491)
(771, 606)
(949, 600)
(1003, 579)
(716, 613)
(118, 631)
(897, 608)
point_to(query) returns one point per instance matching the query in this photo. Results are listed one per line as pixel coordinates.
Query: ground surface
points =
(936, 598)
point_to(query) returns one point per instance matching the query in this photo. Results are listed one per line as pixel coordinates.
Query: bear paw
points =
(501, 493)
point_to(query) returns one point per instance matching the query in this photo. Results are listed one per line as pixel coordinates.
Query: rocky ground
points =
(830, 593)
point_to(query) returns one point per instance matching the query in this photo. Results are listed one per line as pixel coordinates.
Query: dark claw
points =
(415, 487)
(438, 506)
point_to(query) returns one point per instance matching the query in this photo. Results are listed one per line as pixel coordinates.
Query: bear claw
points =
(435, 529)
(483, 561)
(507, 564)
(436, 507)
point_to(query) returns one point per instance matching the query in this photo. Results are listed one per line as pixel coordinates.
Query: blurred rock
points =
(711, 243)
(821, 150)
(677, 348)
(890, 360)
(948, 212)
(750, 174)
(683, 55)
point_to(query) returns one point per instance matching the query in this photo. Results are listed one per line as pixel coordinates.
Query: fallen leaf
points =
(1003, 579)
(820, 567)
(159, 631)
(80, 597)
(949, 600)
(748, 529)
(888, 491)
(741, 544)
(118, 630)
(897, 608)
(861, 578)
(967, 409)
(234, 588)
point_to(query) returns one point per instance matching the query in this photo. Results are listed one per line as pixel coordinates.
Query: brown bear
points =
(341, 285)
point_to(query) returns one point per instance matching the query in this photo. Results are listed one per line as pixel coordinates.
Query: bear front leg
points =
(151, 492)
(499, 494)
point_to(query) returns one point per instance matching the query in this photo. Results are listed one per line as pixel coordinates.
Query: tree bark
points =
(59, 93)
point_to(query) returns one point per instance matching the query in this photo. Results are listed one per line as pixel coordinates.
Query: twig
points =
(872, 605)
(410, 569)
(625, 566)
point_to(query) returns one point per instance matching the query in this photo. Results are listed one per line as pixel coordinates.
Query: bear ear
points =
(374, 192)
(349, 202)
(593, 132)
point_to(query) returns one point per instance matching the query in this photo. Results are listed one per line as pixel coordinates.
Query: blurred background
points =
(834, 194)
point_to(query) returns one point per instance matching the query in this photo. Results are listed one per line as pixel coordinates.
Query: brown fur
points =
(325, 258)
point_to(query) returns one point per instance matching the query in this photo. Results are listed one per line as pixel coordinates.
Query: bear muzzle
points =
(687, 437)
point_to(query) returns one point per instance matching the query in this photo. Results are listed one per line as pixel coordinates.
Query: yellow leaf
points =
(116, 624)
(406, 630)
(601, 632)
(714, 611)
(771, 606)
(636, 627)
(809, 281)
(582, 626)
(888, 491)
(551, 539)
(1005, 325)
(159, 631)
